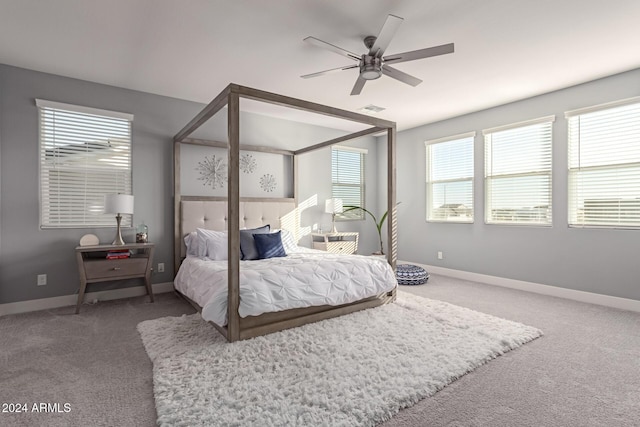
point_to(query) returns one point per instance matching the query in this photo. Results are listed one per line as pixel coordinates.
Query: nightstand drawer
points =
(114, 268)
(338, 247)
(337, 243)
(343, 247)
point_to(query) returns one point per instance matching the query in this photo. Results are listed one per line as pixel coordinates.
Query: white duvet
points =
(276, 284)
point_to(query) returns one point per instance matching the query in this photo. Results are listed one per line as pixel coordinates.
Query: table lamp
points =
(118, 204)
(333, 206)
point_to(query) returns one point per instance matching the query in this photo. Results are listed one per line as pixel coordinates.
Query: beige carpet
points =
(585, 371)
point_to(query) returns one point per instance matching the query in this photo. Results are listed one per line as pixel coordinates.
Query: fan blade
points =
(357, 88)
(419, 54)
(340, 51)
(400, 75)
(322, 73)
(386, 34)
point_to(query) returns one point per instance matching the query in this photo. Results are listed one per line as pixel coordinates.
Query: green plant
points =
(348, 208)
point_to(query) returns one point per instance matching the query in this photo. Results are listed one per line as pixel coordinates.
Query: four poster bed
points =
(315, 286)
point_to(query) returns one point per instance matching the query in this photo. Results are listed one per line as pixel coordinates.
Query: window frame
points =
(488, 178)
(573, 211)
(429, 182)
(79, 125)
(356, 214)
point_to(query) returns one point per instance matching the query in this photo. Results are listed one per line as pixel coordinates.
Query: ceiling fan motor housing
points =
(370, 67)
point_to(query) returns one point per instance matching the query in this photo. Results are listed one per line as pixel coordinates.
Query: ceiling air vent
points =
(371, 109)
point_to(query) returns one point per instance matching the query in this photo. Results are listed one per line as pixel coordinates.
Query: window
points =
(347, 178)
(85, 153)
(450, 178)
(518, 173)
(604, 165)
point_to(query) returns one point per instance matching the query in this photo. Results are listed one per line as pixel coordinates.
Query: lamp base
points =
(333, 224)
(118, 241)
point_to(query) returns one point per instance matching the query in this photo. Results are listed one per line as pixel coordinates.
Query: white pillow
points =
(213, 244)
(192, 242)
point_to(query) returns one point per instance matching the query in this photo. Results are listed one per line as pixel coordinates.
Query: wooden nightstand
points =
(94, 267)
(337, 243)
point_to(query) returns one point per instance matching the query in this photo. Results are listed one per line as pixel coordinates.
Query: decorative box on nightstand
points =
(93, 265)
(337, 243)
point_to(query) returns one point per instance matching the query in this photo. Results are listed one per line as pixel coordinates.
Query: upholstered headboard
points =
(212, 215)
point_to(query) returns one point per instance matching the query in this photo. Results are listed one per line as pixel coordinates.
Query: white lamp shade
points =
(333, 206)
(118, 203)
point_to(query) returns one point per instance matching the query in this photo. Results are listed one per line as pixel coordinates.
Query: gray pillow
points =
(247, 243)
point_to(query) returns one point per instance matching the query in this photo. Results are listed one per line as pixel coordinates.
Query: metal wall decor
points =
(213, 171)
(204, 172)
(268, 183)
(247, 163)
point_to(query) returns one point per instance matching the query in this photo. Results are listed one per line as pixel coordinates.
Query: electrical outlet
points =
(42, 279)
(439, 254)
(161, 267)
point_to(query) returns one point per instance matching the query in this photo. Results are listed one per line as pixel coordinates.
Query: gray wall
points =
(603, 261)
(26, 250)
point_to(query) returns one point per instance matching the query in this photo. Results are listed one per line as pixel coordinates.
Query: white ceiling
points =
(191, 49)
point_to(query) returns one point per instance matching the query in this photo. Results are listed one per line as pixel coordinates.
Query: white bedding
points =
(301, 279)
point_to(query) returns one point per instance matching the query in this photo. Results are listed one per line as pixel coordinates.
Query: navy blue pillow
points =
(269, 245)
(247, 243)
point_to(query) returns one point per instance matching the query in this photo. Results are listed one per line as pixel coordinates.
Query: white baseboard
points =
(555, 291)
(67, 300)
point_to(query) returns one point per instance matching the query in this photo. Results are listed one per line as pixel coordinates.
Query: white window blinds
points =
(604, 165)
(450, 178)
(85, 153)
(518, 173)
(347, 177)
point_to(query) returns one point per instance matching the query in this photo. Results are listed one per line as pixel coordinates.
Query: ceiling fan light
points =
(370, 67)
(370, 72)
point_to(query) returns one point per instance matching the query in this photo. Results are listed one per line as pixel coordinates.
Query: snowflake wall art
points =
(268, 182)
(247, 163)
(213, 172)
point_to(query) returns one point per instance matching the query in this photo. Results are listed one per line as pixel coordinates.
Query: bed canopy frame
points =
(242, 328)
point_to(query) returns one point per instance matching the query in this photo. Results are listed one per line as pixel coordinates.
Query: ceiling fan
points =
(373, 64)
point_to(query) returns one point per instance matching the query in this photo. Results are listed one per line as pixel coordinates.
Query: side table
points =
(93, 266)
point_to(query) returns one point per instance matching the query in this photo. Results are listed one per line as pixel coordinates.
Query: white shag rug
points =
(355, 370)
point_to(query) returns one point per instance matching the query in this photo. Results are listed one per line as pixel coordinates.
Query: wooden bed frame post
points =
(177, 238)
(233, 217)
(295, 166)
(392, 218)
